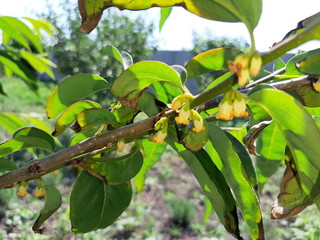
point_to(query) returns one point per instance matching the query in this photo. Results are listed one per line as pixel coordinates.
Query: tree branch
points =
(37, 168)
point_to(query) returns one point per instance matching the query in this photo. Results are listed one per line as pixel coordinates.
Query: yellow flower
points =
(197, 122)
(158, 137)
(239, 106)
(184, 115)
(255, 64)
(22, 191)
(245, 65)
(120, 144)
(225, 108)
(40, 192)
(316, 85)
(55, 173)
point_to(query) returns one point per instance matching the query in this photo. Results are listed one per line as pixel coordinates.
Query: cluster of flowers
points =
(39, 192)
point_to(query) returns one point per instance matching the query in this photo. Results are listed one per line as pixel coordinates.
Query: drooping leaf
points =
(245, 160)
(141, 75)
(53, 201)
(39, 63)
(11, 122)
(95, 204)
(302, 137)
(70, 115)
(271, 151)
(92, 117)
(121, 169)
(246, 11)
(152, 152)
(213, 185)
(7, 165)
(73, 89)
(41, 25)
(215, 59)
(165, 13)
(236, 177)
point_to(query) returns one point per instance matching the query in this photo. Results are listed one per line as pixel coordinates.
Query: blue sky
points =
(278, 17)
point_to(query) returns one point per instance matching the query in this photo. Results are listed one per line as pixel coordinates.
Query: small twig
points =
(266, 78)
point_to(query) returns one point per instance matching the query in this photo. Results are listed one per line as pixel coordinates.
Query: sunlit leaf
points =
(246, 11)
(152, 152)
(233, 170)
(165, 91)
(301, 133)
(11, 122)
(165, 13)
(73, 89)
(213, 185)
(120, 169)
(70, 115)
(92, 117)
(95, 204)
(215, 59)
(141, 75)
(53, 201)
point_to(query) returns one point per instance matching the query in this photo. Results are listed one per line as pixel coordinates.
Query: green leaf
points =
(213, 185)
(89, 118)
(40, 64)
(165, 13)
(246, 11)
(95, 204)
(152, 152)
(53, 201)
(73, 89)
(35, 132)
(70, 115)
(304, 63)
(7, 165)
(125, 115)
(82, 136)
(182, 72)
(147, 104)
(141, 75)
(41, 25)
(165, 91)
(236, 177)
(120, 169)
(245, 160)
(270, 147)
(115, 53)
(301, 133)
(11, 122)
(212, 60)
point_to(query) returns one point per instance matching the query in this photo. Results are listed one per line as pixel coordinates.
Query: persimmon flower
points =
(120, 144)
(316, 85)
(22, 190)
(180, 100)
(40, 192)
(225, 109)
(161, 127)
(245, 65)
(184, 115)
(197, 121)
(232, 105)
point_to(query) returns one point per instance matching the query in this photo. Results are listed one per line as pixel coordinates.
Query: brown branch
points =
(37, 168)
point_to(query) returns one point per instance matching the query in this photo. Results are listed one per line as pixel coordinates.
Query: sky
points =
(278, 18)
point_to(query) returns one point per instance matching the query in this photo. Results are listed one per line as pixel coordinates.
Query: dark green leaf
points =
(7, 165)
(95, 204)
(120, 169)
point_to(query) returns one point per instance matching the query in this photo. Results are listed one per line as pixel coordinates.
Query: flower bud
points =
(180, 100)
(255, 65)
(316, 85)
(40, 191)
(194, 141)
(120, 144)
(184, 115)
(22, 190)
(197, 121)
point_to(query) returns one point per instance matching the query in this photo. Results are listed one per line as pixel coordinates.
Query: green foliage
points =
(153, 104)
(182, 212)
